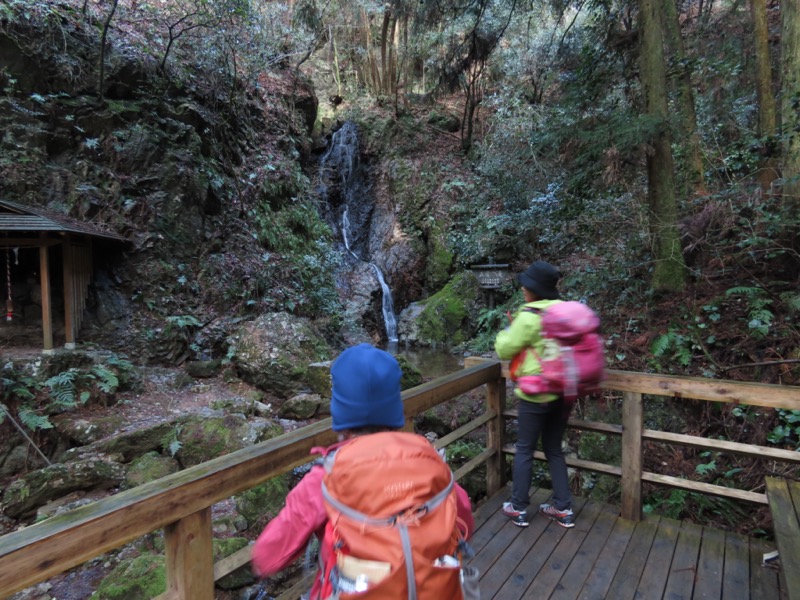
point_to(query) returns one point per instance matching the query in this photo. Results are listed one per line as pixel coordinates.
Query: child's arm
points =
(287, 535)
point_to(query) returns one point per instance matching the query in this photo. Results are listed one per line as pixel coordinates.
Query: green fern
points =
(750, 292)
(106, 379)
(674, 346)
(20, 389)
(662, 343)
(62, 388)
(33, 421)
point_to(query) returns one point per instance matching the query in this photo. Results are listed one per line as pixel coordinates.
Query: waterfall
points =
(341, 159)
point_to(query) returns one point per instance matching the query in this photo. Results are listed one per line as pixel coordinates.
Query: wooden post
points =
(69, 294)
(47, 313)
(632, 426)
(190, 557)
(495, 436)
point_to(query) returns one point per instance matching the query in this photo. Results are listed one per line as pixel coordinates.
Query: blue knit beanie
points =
(366, 389)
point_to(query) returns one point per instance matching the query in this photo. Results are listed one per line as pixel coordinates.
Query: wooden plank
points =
(577, 463)
(751, 450)
(605, 567)
(786, 525)
(710, 565)
(680, 583)
(632, 460)
(656, 570)
(699, 388)
(489, 507)
(299, 588)
(230, 563)
(736, 569)
(190, 557)
(764, 578)
(496, 521)
(423, 397)
(626, 579)
(496, 472)
(474, 463)
(715, 390)
(69, 293)
(47, 312)
(493, 578)
(562, 556)
(529, 567)
(459, 433)
(704, 488)
(581, 566)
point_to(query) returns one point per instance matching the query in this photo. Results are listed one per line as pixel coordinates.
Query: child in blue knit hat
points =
(365, 399)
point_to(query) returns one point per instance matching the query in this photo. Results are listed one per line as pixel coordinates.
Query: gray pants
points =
(548, 420)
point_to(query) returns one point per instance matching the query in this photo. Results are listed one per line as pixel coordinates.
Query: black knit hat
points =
(541, 278)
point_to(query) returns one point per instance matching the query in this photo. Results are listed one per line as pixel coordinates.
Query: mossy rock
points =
(149, 467)
(240, 577)
(274, 352)
(411, 375)
(447, 122)
(318, 378)
(140, 578)
(264, 500)
(205, 437)
(439, 260)
(300, 407)
(446, 317)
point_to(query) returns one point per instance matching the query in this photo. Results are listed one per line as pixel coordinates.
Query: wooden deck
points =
(605, 556)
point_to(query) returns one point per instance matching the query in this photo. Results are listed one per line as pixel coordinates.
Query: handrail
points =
(40, 551)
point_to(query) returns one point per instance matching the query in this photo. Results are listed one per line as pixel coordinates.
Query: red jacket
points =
(286, 536)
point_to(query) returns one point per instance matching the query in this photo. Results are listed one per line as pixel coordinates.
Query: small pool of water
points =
(430, 362)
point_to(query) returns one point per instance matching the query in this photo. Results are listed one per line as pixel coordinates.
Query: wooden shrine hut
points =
(24, 228)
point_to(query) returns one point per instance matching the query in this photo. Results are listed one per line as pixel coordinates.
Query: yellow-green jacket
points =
(525, 332)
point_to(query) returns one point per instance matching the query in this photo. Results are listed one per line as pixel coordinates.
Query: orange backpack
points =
(392, 531)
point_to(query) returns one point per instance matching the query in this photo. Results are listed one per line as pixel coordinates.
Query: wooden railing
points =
(633, 386)
(180, 504)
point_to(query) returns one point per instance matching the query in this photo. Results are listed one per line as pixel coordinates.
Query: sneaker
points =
(565, 518)
(518, 517)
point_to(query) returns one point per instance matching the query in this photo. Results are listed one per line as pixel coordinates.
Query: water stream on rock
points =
(355, 207)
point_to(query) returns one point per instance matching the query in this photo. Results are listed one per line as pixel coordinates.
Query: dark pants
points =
(548, 420)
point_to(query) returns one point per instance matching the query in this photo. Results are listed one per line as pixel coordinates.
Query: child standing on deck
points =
(365, 402)
(540, 414)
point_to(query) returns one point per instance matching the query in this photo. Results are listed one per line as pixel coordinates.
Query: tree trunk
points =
(101, 80)
(790, 105)
(387, 17)
(694, 160)
(669, 272)
(767, 119)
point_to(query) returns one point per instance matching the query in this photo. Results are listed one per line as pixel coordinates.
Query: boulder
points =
(300, 407)
(35, 489)
(273, 352)
(149, 467)
(263, 501)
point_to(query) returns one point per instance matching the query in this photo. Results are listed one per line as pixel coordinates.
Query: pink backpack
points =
(577, 367)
